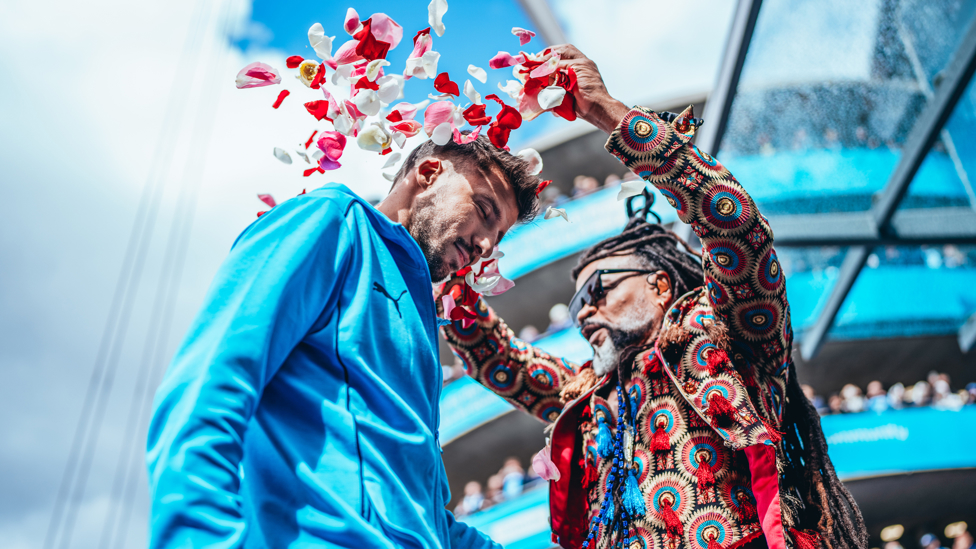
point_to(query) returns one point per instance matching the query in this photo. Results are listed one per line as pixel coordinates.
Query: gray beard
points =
(631, 331)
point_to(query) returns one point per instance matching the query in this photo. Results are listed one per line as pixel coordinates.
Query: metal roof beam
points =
(914, 227)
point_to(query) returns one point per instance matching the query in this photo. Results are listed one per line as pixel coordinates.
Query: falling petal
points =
(331, 144)
(346, 54)
(399, 139)
(448, 304)
(302, 154)
(389, 176)
(512, 87)
(543, 465)
(436, 114)
(444, 84)
(307, 70)
(472, 93)
(342, 71)
(550, 97)
(257, 75)
(321, 43)
(478, 73)
(319, 109)
(542, 186)
(533, 158)
(553, 212)
(429, 63)
(442, 133)
(267, 199)
(504, 59)
(409, 110)
(374, 68)
(281, 97)
(374, 138)
(351, 24)
(294, 61)
(368, 102)
(475, 115)
(523, 35)
(630, 188)
(385, 29)
(282, 154)
(391, 160)
(435, 15)
(440, 97)
(465, 139)
(391, 88)
(408, 128)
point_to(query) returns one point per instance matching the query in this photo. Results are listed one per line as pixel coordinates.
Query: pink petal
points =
(385, 29)
(436, 114)
(523, 35)
(256, 75)
(465, 139)
(448, 303)
(408, 128)
(423, 45)
(332, 144)
(407, 110)
(543, 466)
(353, 110)
(345, 54)
(504, 59)
(546, 68)
(529, 106)
(352, 21)
(267, 199)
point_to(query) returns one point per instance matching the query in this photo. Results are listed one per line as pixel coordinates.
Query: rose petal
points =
(399, 139)
(294, 61)
(345, 55)
(478, 73)
(375, 68)
(442, 133)
(550, 97)
(436, 114)
(391, 88)
(475, 115)
(542, 186)
(533, 158)
(546, 68)
(368, 45)
(282, 154)
(351, 24)
(512, 87)
(407, 128)
(448, 304)
(409, 110)
(523, 35)
(321, 43)
(391, 160)
(386, 29)
(302, 154)
(389, 176)
(331, 144)
(368, 102)
(281, 97)
(440, 97)
(631, 188)
(374, 138)
(257, 75)
(472, 93)
(543, 466)
(465, 139)
(504, 59)
(319, 109)
(553, 212)
(444, 84)
(267, 199)
(435, 15)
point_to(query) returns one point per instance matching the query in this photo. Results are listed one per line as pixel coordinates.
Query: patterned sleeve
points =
(742, 274)
(526, 376)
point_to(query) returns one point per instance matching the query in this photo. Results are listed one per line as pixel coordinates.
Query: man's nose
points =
(484, 245)
(587, 311)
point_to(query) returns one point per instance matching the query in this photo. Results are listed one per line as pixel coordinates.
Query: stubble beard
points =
(428, 229)
(631, 330)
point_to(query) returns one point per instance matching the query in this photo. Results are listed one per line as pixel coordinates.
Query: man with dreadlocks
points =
(688, 428)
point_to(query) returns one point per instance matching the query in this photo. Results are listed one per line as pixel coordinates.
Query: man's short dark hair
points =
(485, 156)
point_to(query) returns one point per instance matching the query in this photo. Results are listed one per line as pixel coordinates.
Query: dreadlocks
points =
(654, 246)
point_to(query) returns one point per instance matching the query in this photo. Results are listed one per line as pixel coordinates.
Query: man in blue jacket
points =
(302, 408)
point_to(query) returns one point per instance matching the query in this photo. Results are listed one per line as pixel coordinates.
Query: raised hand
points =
(593, 102)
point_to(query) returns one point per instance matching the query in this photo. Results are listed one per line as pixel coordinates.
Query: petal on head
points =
(436, 114)
(442, 133)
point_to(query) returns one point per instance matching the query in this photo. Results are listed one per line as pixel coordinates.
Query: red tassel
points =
(715, 359)
(672, 524)
(660, 442)
(774, 435)
(747, 510)
(719, 406)
(706, 479)
(712, 544)
(652, 364)
(805, 539)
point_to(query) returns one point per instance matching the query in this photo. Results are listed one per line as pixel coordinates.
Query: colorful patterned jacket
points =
(709, 396)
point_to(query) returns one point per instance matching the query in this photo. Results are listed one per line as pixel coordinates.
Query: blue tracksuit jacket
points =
(302, 408)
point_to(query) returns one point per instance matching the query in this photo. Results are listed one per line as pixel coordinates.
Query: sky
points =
(91, 92)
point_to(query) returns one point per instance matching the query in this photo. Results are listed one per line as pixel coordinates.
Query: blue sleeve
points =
(280, 278)
(464, 536)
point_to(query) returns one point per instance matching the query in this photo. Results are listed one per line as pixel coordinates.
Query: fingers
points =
(568, 51)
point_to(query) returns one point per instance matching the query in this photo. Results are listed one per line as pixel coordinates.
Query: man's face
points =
(461, 216)
(629, 314)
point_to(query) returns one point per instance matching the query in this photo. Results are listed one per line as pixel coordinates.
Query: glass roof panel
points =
(829, 92)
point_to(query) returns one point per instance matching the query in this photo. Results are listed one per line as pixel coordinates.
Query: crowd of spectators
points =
(508, 483)
(957, 534)
(934, 391)
(582, 186)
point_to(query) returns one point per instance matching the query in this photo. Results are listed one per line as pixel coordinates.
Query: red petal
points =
(566, 109)
(319, 109)
(364, 84)
(281, 97)
(311, 138)
(369, 47)
(301, 193)
(498, 135)
(444, 84)
(267, 199)
(419, 34)
(386, 151)
(543, 185)
(310, 171)
(262, 213)
(319, 78)
(294, 61)
(475, 115)
(509, 117)
(395, 116)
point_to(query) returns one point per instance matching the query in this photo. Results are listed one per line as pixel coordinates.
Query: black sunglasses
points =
(593, 290)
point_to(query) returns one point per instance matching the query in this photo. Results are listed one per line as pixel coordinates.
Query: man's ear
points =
(427, 172)
(662, 282)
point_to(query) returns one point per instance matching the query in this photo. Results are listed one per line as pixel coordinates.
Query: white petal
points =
(631, 188)
(435, 15)
(533, 158)
(368, 102)
(321, 43)
(282, 154)
(391, 160)
(373, 138)
(553, 212)
(442, 133)
(342, 71)
(344, 124)
(479, 73)
(551, 97)
(429, 61)
(512, 87)
(389, 176)
(441, 96)
(399, 139)
(317, 154)
(471, 93)
(302, 154)
(391, 87)
(373, 68)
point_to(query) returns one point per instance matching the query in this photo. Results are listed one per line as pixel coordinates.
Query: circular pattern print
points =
(728, 258)
(770, 272)
(668, 489)
(668, 171)
(664, 415)
(638, 393)
(704, 163)
(726, 207)
(500, 377)
(642, 133)
(702, 446)
(717, 293)
(721, 386)
(709, 526)
(543, 377)
(757, 320)
(548, 409)
(701, 348)
(734, 491)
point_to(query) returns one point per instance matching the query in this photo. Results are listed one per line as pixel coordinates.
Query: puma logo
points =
(396, 302)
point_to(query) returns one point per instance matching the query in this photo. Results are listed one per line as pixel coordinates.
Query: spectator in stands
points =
(971, 391)
(921, 394)
(473, 500)
(930, 541)
(853, 399)
(513, 475)
(815, 399)
(877, 398)
(559, 318)
(494, 496)
(963, 541)
(529, 333)
(612, 180)
(835, 404)
(584, 185)
(896, 396)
